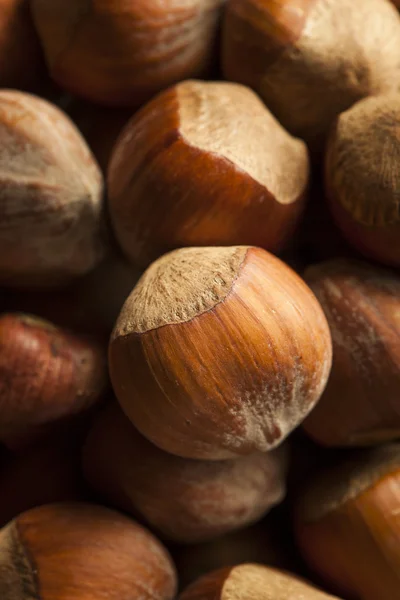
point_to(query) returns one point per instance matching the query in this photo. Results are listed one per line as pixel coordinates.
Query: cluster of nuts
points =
(199, 368)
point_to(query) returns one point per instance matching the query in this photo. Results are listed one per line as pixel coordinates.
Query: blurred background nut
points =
(150, 45)
(46, 375)
(312, 59)
(360, 404)
(82, 551)
(348, 524)
(205, 164)
(362, 179)
(51, 195)
(184, 500)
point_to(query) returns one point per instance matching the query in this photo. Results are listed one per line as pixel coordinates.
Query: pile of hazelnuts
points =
(199, 300)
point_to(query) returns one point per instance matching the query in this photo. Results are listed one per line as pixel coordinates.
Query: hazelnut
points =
(361, 177)
(209, 498)
(46, 472)
(205, 164)
(21, 60)
(149, 45)
(348, 524)
(360, 404)
(51, 195)
(252, 581)
(219, 352)
(82, 552)
(312, 59)
(46, 374)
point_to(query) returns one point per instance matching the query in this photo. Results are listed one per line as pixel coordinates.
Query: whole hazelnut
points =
(252, 581)
(312, 59)
(362, 178)
(21, 60)
(219, 352)
(209, 498)
(82, 552)
(46, 374)
(205, 164)
(150, 45)
(51, 195)
(348, 524)
(360, 404)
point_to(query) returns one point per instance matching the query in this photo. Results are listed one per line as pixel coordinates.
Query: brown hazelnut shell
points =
(149, 45)
(46, 375)
(219, 352)
(360, 404)
(204, 164)
(307, 61)
(209, 498)
(84, 552)
(348, 524)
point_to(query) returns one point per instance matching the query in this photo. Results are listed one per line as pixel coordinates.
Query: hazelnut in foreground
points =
(219, 352)
(46, 375)
(51, 195)
(205, 164)
(184, 500)
(149, 45)
(360, 405)
(84, 552)
(348, 524)
(252, 581)
(312, 59)
(362, 179)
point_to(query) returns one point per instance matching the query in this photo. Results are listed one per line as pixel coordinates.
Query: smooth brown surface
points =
(312, 60)
(362, 179)
(183, 499)
(21, 61)
(150, 45)
(51, 195)
(85, 552)
(360, 404)
(205, 164)
(46, 374)
(353, 542)
(233, 380)
(252, 581)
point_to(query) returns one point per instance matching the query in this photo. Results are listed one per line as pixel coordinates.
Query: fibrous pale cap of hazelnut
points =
(84, 552)
(46, 375)
(219, 352)
(210, 498)
(254, 581)
(360, 404)
(348, 526)
(312, 59)
(51, 195)
(203, 164)
(150, 45)
(362, 179)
